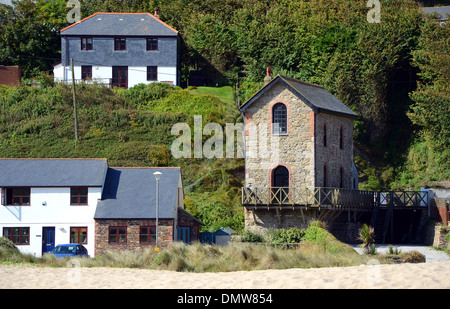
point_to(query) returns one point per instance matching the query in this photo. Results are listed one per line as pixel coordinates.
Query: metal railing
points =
(330, 197)
(100, 81)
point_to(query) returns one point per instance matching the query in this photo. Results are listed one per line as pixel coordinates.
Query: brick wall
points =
(165, 232)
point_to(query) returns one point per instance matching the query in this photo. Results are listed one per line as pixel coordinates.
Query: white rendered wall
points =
(50, 207)
(136, 75)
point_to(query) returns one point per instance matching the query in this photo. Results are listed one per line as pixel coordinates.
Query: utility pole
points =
(75, 114)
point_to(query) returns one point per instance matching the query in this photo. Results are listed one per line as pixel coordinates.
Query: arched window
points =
(324, 135)
(279, 116)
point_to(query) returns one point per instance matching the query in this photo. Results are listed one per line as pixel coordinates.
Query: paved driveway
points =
(431, 254)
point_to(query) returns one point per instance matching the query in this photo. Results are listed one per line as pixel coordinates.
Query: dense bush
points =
(286, 236)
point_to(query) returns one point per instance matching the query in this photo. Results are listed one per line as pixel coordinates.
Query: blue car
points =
(61, 251)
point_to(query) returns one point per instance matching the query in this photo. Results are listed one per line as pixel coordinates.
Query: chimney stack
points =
(268, 78)
(156, 13)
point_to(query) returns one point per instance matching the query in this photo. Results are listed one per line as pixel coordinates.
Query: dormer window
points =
(120, 44)
(279, 119)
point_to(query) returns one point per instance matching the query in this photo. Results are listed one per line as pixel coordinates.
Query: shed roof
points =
(52, 172)
(130, 193)
(120, 24)
(315, 96)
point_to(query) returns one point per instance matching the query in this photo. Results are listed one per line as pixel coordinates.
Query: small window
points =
(152, 73)
(279, 117)
(120, 44)
(86, 72)
(117, 235)
(147, 235)
(325, 176)
(78, 235)
(341, 138)
(341, 177)
(18, 235)
(152, 44)
(78, 196)
(324, 135)
(16, 196)
(86, 44)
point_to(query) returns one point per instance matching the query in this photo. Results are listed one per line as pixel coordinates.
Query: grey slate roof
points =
(130, 193)
(315, 96)
(120, 24)
(52, 172)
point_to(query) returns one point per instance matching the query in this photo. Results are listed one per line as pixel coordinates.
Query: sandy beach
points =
(393, 276)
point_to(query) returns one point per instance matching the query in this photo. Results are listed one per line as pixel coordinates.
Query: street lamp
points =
(157, 177)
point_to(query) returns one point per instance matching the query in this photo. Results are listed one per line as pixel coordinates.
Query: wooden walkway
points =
(332, 198)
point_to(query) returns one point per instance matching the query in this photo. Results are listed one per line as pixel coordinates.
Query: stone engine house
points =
(298, 136)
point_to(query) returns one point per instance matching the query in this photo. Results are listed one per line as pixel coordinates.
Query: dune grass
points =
(319, 249)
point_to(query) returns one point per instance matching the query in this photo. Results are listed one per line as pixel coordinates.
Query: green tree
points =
(29, 34)
(431, 109)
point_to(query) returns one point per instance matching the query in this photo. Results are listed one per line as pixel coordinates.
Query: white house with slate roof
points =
(46, 202)
(120, 49)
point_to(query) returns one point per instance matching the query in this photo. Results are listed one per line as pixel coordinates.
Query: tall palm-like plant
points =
(366, 235)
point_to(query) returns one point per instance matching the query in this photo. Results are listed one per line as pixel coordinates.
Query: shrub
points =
(315, 234)
(248, 236)
(5, 243)
(289, 236)
(159, 155)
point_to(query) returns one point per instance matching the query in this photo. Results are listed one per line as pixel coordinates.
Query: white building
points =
(120, 50)
(50, 201)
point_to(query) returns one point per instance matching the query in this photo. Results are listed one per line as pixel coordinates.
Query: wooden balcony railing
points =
(330, 197)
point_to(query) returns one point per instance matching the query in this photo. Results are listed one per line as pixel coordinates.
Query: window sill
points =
(17, 205)
(280, 134)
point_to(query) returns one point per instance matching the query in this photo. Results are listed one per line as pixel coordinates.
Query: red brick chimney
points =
(268, 78)
(156, 13)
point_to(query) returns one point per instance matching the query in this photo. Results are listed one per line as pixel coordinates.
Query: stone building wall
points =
(265, 151)
(261, 220)
(336, 159)
(165, 232)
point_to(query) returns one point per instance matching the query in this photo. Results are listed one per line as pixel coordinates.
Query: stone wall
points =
(265, 151)
(260, 220)
(185, 219)
(337, 156)
(165, 232)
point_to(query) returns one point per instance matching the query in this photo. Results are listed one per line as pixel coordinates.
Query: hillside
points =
(129, 128)
(393, 74)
